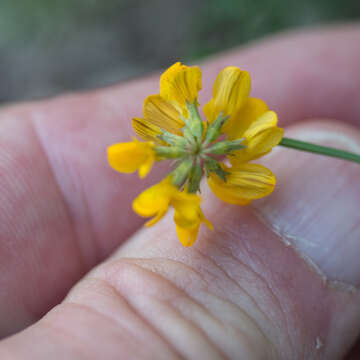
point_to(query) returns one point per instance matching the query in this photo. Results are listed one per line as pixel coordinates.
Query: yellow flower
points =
(173, 129)
(180, 84)
(244, 183)
(131, 156)
(230, 93)
(188, 217)
(155, 201)
(259, 137)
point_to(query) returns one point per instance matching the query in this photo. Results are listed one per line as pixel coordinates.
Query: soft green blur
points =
(52, 46)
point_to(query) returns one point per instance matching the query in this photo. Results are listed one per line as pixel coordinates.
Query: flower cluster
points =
(238, 128)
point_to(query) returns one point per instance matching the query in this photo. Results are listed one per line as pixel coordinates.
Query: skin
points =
(84, 281)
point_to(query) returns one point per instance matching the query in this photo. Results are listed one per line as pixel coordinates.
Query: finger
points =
(251, 289)
(64, 210)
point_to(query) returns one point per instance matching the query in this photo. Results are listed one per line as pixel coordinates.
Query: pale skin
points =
(238, 293)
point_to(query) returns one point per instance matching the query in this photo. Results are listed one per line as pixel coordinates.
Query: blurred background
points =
(52, 46)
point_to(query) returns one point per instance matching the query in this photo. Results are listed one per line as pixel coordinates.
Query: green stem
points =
(318, 149)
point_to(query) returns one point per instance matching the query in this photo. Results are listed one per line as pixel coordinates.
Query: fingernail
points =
(316, 204)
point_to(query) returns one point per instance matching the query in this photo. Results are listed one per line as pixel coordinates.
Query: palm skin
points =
(238, 293)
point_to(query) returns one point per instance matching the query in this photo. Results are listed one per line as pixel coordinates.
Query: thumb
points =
(317, 203)
(293, 255)
(275, 280)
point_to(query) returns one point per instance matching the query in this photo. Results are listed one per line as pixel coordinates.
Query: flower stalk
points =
(319, 149)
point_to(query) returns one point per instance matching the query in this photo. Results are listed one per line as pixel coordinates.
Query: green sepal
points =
(170, 152)
(195, 124)
(179, 175)
(212, 165)
(214, 130)
(188, 136)
(225, 147)
(172, 139)
(195, 176)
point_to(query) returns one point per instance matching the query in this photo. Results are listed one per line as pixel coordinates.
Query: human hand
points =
(239, 292)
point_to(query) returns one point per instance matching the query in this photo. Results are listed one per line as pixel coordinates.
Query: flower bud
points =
(169, 152)
(212, 165)
(226, 146)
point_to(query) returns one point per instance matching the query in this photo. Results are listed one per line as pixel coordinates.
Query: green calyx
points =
(196, 150)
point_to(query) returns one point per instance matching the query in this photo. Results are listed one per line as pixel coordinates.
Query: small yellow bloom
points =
(244, 183)
(230, 93)
(155, 201)
(180, 84)
(173, 129)
(131, 156)
(260, 137)
(188, 217)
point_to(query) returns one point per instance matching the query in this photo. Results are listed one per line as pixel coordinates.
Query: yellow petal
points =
(236, 126)
(231, 91)
(226, 195)
(209, 111)
(179, 84)
(162, 114)
(188, 217)
(147, 131)
(206, 221)
(145, 167)
(258, 146)
(187, 236)
(154, 201)
(244, 182)
(187, 210)
(159, 215)
(264, 122)
(131, 156)
(260, 138)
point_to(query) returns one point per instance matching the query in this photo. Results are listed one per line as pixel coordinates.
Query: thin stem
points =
(318, 149)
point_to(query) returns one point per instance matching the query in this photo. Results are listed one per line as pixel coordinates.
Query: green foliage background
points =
(51, 46)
